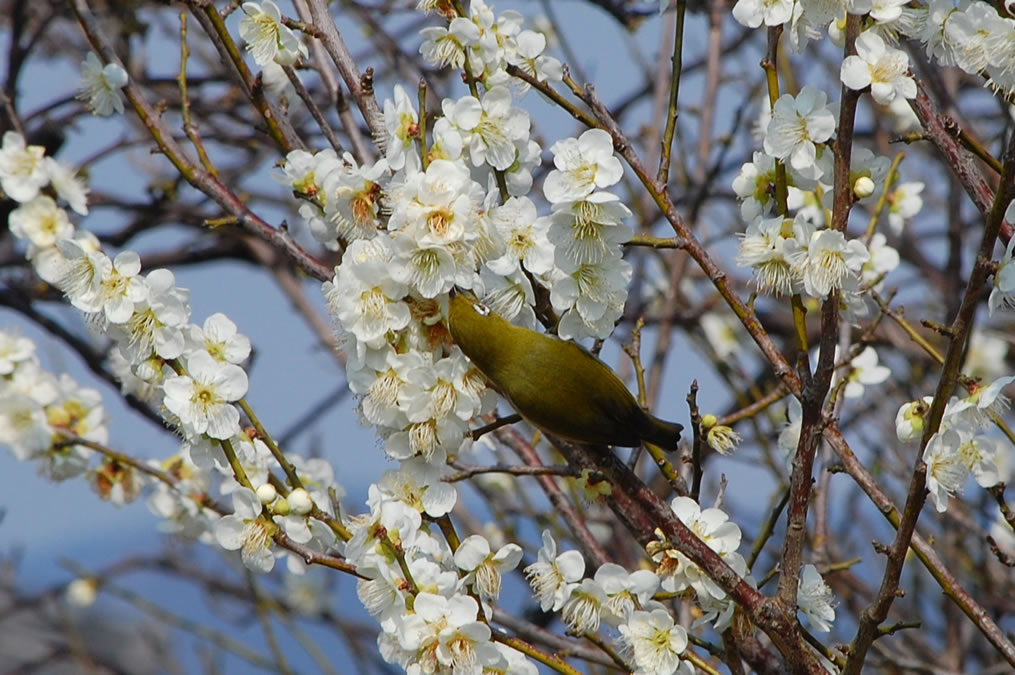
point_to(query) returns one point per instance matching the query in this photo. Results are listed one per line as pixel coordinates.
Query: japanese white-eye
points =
(556, 385)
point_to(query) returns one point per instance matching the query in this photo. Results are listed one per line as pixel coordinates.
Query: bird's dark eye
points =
(481, 309)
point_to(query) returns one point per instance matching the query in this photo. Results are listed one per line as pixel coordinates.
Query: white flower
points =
(491, 127)
(903, 203)
(402, 124)
(22, 169)
(977, 408)
(655, 641)
(367, 300)
(910, 419)
(755, 186)
(882, 68)
(588, 231)
(352, 198)
(763, 247)
(244, 529)
(446, 635)
(797, 124)
(582, 610)
(13, 350)
(752, 13)
(590, 297)
(582, 165)
(865, 371)
(23, 426)
(419, 485)
(69, 187)
(945, 470)
(883, 259)
(484, 566)
(1003, 293)
(40, 221)
(101, 85)
(119, 286)
(157, 324)
(524, 237)
(979, 453)
(552, 577)
(814, 598)
(81, 592)
(381, 387)
(827, 260)
(267, 38)
(625, 591)
(529, 58)
(203, 398)
(444, 47)
(219, 337)
(436, 390)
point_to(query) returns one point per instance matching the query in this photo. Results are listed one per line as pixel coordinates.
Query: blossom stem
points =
(662, 176)
(546, 659)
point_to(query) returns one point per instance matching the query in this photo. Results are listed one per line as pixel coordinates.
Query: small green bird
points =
(555, 385)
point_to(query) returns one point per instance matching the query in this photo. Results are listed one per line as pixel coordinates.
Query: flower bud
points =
(280, 507)
(267, 493)
(863, 187)
(300, 502)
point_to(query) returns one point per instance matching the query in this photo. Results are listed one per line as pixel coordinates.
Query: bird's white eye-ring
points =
(481, 309)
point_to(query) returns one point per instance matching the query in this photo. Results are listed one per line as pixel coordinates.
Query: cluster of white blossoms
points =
(962, 445)
(799, 253)
(457, 213)
(190, 373)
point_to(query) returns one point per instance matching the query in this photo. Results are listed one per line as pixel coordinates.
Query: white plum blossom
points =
(446, 636)
(880, 67)
(588, 231)
(752, 13)
(910, 419)
(980, 455)
(68, 186)
(945, 470)
(352, 198)
(247, 531)
(445, 47)
(582, 165)
(40, 221)
(23, 170)
(366, 300)
(418, 484)
(218, 336)
(157, 325)
(865, 371)
(625, 591)
(981, 404)
(268, 39)
(755, 186)
(582, 611)
(826, 259)
(524, 237)
(717, 531)
(883, 259)
(655, 642)
(1002, 296)
(120, 286)
(789, 437)
(814, 598)
(590, 297)
(203, 398)
(402, 124)
(13, 350)
(489, 127)
(553, 576)
(101, 85)
(529, 58)
(484, 566)
(797, 124)
(764, 247)
(903, 203)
